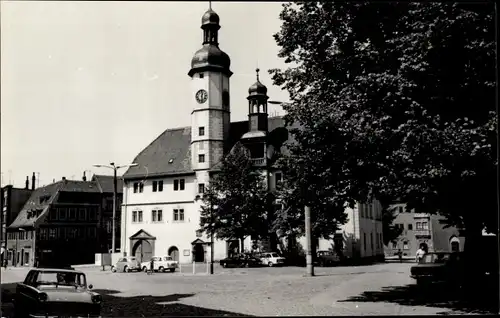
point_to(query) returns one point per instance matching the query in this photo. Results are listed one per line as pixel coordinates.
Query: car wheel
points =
(270, 264)
(172, 270)
(161, 269)
(126, 269)
(113, 269)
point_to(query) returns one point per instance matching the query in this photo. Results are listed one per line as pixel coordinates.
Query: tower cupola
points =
(257, 106)
(210, 57)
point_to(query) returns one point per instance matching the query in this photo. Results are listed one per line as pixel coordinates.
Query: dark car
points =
(48, 292)
(326, 258)
(240, 260)
(438, 267)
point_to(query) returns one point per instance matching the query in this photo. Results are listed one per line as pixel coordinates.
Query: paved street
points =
(254, 291)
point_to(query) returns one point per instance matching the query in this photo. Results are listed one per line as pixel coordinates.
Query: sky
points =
(86, 83)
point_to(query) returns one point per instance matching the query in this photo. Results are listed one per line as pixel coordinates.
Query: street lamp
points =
(308, 228)
(113, 220)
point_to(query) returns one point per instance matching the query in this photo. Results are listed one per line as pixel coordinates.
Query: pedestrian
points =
(5, 263)
(151, 266)
(400, 255)
(420, 254)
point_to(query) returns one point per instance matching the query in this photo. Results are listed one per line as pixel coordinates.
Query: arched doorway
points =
(454, 244)
(143, 250)
(198, 252)
(173, 252)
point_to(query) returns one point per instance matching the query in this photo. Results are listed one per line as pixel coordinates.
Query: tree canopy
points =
(234, 204)
(396, 100)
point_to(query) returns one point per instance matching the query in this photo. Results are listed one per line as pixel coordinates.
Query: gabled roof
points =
(36, 203)
(170, 153)
(105, 183)
(43, 197)
(141, 234)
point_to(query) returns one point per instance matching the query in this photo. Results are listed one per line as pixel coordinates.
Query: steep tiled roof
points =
(42, 197)
(168, 154)
(105, 183)
(174, 145)
(35, 203)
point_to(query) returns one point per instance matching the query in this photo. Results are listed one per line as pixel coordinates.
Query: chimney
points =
(53, 180)
(33, 182)
(27, 183)
(63, 178)
(84, 177)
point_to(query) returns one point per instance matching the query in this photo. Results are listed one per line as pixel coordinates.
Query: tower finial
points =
(257, 71)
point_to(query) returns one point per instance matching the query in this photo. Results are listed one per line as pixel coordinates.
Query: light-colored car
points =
(271, 259)
(161, 264)
(126, 264)
(49, 292)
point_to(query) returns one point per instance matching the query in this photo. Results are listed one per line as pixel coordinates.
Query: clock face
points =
(201, 96)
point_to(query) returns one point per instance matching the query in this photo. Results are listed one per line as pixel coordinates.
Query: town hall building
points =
(161, 195)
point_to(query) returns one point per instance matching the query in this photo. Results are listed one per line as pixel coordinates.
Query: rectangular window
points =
(201, 131)
(155, 186)
(179, 215)
(153, 215)
(419, 226)
(134, 216)
(201, 158)
(425, 226)
(82, 215)
(176, 185)
(400, 209)
(201, 188)
(202, 75)
(139, 216)
(181, 184)
(52, 234)
(62, 214)
(159, 215)
(410, 226)
(406, 246)
(72, 214)
(141, 187)
(136, 187)
(93, 213)
(160, 186)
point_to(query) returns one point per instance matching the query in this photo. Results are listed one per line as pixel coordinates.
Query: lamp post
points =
(308, 228)
(113, 220)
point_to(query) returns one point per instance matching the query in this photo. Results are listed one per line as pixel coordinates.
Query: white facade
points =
(361, 235)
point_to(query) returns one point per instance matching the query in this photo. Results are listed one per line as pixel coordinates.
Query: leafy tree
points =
(406, 93)
(234, 203)
(390, 232)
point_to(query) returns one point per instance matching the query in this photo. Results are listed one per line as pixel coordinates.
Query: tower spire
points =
(257, 70)
(209, 5)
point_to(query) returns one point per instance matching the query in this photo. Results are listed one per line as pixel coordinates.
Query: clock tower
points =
(210, 117)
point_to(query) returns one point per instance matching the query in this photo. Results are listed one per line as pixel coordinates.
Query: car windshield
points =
(167, 258)
(275, 255)
(435, 258)
(61, 278)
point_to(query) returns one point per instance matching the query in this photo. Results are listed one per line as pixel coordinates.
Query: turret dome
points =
(257, 88)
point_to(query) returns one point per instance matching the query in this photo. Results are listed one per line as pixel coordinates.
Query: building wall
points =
(13, 199)
(434, 235)
(21, 243)
(353, 232)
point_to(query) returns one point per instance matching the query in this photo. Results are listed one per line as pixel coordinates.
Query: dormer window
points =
(201, 131)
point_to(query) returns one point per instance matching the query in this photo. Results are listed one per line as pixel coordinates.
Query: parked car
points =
(126, 264)
(240, 260)
(438, 267)
(271, 259)
(161, 264)
(56, 292)
(326, 258)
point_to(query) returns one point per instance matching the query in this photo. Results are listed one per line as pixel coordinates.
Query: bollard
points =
(194, 268)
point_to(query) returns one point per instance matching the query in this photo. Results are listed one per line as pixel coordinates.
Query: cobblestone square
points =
(249, 291)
